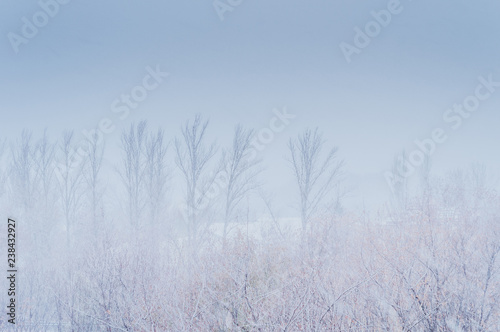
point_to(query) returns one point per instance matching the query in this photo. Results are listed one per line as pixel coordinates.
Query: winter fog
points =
(235, 165)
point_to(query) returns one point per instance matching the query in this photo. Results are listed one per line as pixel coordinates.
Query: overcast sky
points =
(263, 55)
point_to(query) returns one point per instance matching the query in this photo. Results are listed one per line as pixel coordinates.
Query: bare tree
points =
(316, 174)
(400, 191)
(44, 157)
(240, 172)
(157, 173)
(91, 174)
(133, 143)
(193, 156)
(32, 175)
(23, 179)
(70, 184)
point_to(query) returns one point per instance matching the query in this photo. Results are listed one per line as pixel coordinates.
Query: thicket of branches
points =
(93, 259)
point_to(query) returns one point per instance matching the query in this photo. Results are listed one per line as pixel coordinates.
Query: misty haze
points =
(233, 165)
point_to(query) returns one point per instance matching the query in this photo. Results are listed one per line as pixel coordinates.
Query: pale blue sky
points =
(264, 55)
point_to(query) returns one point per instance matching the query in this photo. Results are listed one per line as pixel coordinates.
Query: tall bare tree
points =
(43, 160)
(240, 172)
(400, 186)
(44, 157)
(133, 143)
(31, 181)
(193, 157)
(22, 174)
(70, 183)
(157, 173)
(316, 173)
(92, 170)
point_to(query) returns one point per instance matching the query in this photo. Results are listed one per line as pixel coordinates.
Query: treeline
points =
(427, 262)
(59, 186)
